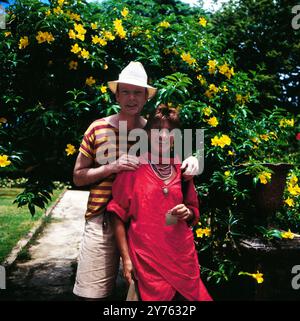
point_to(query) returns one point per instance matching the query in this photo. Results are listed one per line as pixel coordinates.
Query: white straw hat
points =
(133, 74)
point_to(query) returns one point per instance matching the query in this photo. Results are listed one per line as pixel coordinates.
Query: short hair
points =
(162, 113)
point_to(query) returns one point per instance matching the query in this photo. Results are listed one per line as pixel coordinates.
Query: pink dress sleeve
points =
(191, 200)
(121, 195)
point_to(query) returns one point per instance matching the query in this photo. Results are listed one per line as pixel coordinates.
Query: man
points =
(98, 258)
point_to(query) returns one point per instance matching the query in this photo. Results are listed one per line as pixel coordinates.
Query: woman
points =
(158, 246)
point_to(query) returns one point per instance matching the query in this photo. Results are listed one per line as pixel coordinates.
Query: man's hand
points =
(124, 163)
(190, 167)
(127, 270)
(182, 212)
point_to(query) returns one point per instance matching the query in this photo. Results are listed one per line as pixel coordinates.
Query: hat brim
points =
(113, 86)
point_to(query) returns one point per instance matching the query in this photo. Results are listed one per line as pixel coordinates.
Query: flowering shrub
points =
(56, 61)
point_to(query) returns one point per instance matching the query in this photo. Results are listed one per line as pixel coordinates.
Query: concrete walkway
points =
(50, 272)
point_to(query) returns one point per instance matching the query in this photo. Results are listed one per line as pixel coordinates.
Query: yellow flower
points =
(212, 90)
(79, 29)
(290, 202)
(73, 65)
(200, 232)
(213, 121)
(103, 89)
(221, 142)
(293, 180)
(124, 12)
(264, 137)
(264, 177)
(287, 235)
(212, 66)
(202, 22)
(44, 36)
(90, 81)
(286, 122)
(7, 34)
(58, 10)
(48, 13)
(257, 276)
(108, 35)
(227, 173)
(4, 161)
(230, 153)
(201, 79)
(94, 25)
(3, 120)
(105, 67)
(225, 70)
(75, 48)
(164, 24)
(119, 28)
(72, 34)
(207, 111)
(101, 41)
(73, 16)
(294, 189)
(60, 2)
(225, 89)
(85, 54)
(70, 149)
(187, 58)
(23, 43)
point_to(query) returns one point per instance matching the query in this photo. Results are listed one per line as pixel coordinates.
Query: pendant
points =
(165, 190)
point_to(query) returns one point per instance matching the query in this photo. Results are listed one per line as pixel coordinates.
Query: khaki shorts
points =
(98, 260)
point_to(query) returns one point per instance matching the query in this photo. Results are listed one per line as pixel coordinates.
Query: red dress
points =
(164, 257)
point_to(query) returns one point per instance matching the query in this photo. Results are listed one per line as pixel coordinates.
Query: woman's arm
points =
(121, 239)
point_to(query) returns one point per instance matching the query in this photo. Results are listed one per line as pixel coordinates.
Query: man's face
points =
(131, 98)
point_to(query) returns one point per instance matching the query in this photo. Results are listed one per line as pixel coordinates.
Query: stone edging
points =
(22, 243)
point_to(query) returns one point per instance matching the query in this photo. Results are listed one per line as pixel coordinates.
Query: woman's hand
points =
(127, 270)
(182, 212)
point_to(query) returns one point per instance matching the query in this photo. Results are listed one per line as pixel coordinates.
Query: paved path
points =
(50, 273)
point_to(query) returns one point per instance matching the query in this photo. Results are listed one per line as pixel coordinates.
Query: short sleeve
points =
(191, 200)
(87, 146)
(122, 191)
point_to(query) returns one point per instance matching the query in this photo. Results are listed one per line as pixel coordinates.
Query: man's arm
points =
(85, 174)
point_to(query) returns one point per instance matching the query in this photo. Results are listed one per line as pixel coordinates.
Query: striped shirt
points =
(101, 144)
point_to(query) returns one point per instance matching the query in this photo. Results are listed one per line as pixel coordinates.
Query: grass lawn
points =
(16, 222)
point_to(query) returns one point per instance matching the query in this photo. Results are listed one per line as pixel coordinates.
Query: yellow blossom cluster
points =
(164, 24)
(200, 232)
(73, 16)
(226, 70)
(264, 177)
(212, 66)
(293, 186)
(44, 37)
(103, 89)
(286, 122)
(202, 80)
(23, 42)
(186, 56)
(78, 33)
(83, 53)
(212, 121)
(221, 141)
(119, 28)
(242, 99)
(211, 91)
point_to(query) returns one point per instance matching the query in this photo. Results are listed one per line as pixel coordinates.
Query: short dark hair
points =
(161, 113)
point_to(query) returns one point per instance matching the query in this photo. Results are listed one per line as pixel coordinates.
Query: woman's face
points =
(161, 138)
